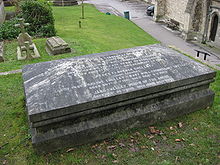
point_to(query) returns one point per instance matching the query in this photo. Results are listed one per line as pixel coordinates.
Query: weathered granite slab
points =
(142, 114)
(83, 99)
(1, 51)
(68, 86)
(56, 45)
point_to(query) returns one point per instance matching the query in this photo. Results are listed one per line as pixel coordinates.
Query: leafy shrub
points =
(39, 15)
(8, 30)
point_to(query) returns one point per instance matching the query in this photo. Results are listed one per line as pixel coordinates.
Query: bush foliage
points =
(8, 31)
(38, 13)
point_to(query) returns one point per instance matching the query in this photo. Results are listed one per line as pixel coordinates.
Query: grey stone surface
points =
(65, 2)
(69, 101)
(26, 49)
(123, 118)
(56, 45)
(1, 51)
(62, 87)
(2, 12)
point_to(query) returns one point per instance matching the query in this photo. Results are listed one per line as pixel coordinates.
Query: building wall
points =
(175, 9)
(215, 10)
(2, 12)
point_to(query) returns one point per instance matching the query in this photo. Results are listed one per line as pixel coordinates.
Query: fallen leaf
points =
(164, 137)
(137, 133)
(115, 161)
(153, 130)
(121, 144)
(114, 155)
(103, 156)
(69, 150)
(4, 162)
(151, 136)
(94, 146)
(134, 149)
(180, 125)
(131, 144)
(111, 147)
(144, 147)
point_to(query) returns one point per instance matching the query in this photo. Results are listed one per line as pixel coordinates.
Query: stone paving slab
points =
(10, 72)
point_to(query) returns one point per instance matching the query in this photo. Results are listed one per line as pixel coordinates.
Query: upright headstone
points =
(83, 99)
(2, 12)
(26, 48)
(65, 2)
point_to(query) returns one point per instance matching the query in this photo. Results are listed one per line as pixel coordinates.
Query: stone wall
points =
(215, 11)
(2, 12)
(151, 1)
(176, 10)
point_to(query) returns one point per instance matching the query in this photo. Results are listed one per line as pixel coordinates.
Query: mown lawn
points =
(199, 132)
(99, 33)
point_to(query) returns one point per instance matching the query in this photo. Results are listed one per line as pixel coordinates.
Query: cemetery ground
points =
(190, 139)
(99, 33)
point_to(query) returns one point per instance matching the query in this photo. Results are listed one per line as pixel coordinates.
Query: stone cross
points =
(22, 25)
(26, 48)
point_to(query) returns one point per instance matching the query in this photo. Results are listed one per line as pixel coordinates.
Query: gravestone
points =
(2, 12)
(26, 49)
(56, 45)
(1, 51)
(88, 98)
(65, 2)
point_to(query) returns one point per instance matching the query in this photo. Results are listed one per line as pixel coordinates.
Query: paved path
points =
(10, 72)
(167, 37)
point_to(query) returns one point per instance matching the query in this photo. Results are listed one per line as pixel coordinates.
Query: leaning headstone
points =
(26, 48)
(1, 51)
(84, 99)
(56, 45)
(65, 2)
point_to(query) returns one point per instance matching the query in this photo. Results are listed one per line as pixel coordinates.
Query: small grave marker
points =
(56, 45)
(26, 48)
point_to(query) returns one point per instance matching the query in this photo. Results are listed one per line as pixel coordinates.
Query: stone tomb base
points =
(56, 45)
(84, 99)
(65, 2)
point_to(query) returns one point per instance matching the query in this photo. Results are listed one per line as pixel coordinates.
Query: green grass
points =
(200, 131)
(99, 33)
(10, 9)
